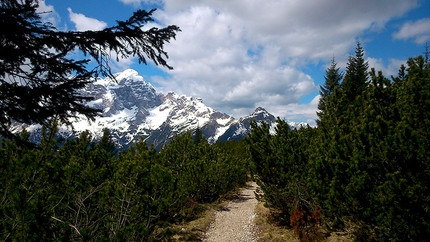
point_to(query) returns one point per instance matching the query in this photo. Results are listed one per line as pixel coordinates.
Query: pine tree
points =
(281, 166)
(198, 136)
(327, 104)
(356, 75)
(426, 56)
(375, 159)
(332, 78)
(48, 85)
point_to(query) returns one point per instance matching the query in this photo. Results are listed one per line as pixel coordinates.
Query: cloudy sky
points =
(241, 54)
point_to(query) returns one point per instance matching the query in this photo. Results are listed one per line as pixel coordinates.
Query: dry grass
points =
(194, 230)
(339, 237)
(269, 231)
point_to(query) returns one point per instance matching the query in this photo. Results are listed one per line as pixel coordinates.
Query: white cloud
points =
(392, 69)
(309, 29)
(211, 59)
(83, 23)
(238, 56)
(419, 31)
(48, 13)
(136, 3)
(302, 112)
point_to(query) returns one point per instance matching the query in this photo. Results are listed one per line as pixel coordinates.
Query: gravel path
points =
(235, 222)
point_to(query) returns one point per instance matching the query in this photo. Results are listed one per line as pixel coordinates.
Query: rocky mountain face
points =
(133, 110)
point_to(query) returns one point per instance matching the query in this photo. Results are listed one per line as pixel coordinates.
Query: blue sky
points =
(241, 54)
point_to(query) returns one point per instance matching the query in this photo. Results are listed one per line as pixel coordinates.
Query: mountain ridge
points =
(132, 109)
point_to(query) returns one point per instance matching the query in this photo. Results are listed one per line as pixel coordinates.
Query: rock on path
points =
(235, 222)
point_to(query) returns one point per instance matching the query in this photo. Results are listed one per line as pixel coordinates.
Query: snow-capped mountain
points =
(133, 110)
(242, 127)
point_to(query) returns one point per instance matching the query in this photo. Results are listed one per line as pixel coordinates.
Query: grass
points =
(268, 230)
(194, 230)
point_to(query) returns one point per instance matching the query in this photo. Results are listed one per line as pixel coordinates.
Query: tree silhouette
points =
(38, 79)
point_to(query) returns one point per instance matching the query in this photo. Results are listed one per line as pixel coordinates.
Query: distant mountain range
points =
(133, 109)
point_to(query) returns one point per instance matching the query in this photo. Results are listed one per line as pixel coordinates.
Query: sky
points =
(238, 55)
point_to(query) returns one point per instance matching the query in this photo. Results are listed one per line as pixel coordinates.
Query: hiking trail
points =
(235, 222)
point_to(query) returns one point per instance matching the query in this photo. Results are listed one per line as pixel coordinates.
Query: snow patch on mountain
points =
(118, 121)
(129, 74)
(240, 131)
(219, 131)
(157, 116)
(224, 122)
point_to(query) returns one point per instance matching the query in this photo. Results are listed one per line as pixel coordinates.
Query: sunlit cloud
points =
(48, 13)
(239, 56)
(84, 23)
(418, 31)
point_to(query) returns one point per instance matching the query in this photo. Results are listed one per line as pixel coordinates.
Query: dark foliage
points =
(365, 166)
(84, 191)
(333, 78)
(281, 163)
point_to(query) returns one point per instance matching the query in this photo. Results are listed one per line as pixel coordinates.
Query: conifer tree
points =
(332, 78)
(327, 104)
(356, 75)
(281, 164)
(426, 56)
(38, 81)
(198, 136)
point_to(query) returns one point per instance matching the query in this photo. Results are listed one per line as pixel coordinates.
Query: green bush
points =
(85, 191)
(367, 163)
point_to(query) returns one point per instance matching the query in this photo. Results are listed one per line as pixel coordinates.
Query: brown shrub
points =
(306, 223)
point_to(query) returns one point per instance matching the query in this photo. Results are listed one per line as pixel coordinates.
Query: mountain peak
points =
(126, 77)
(259, 110)
(127, 74)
